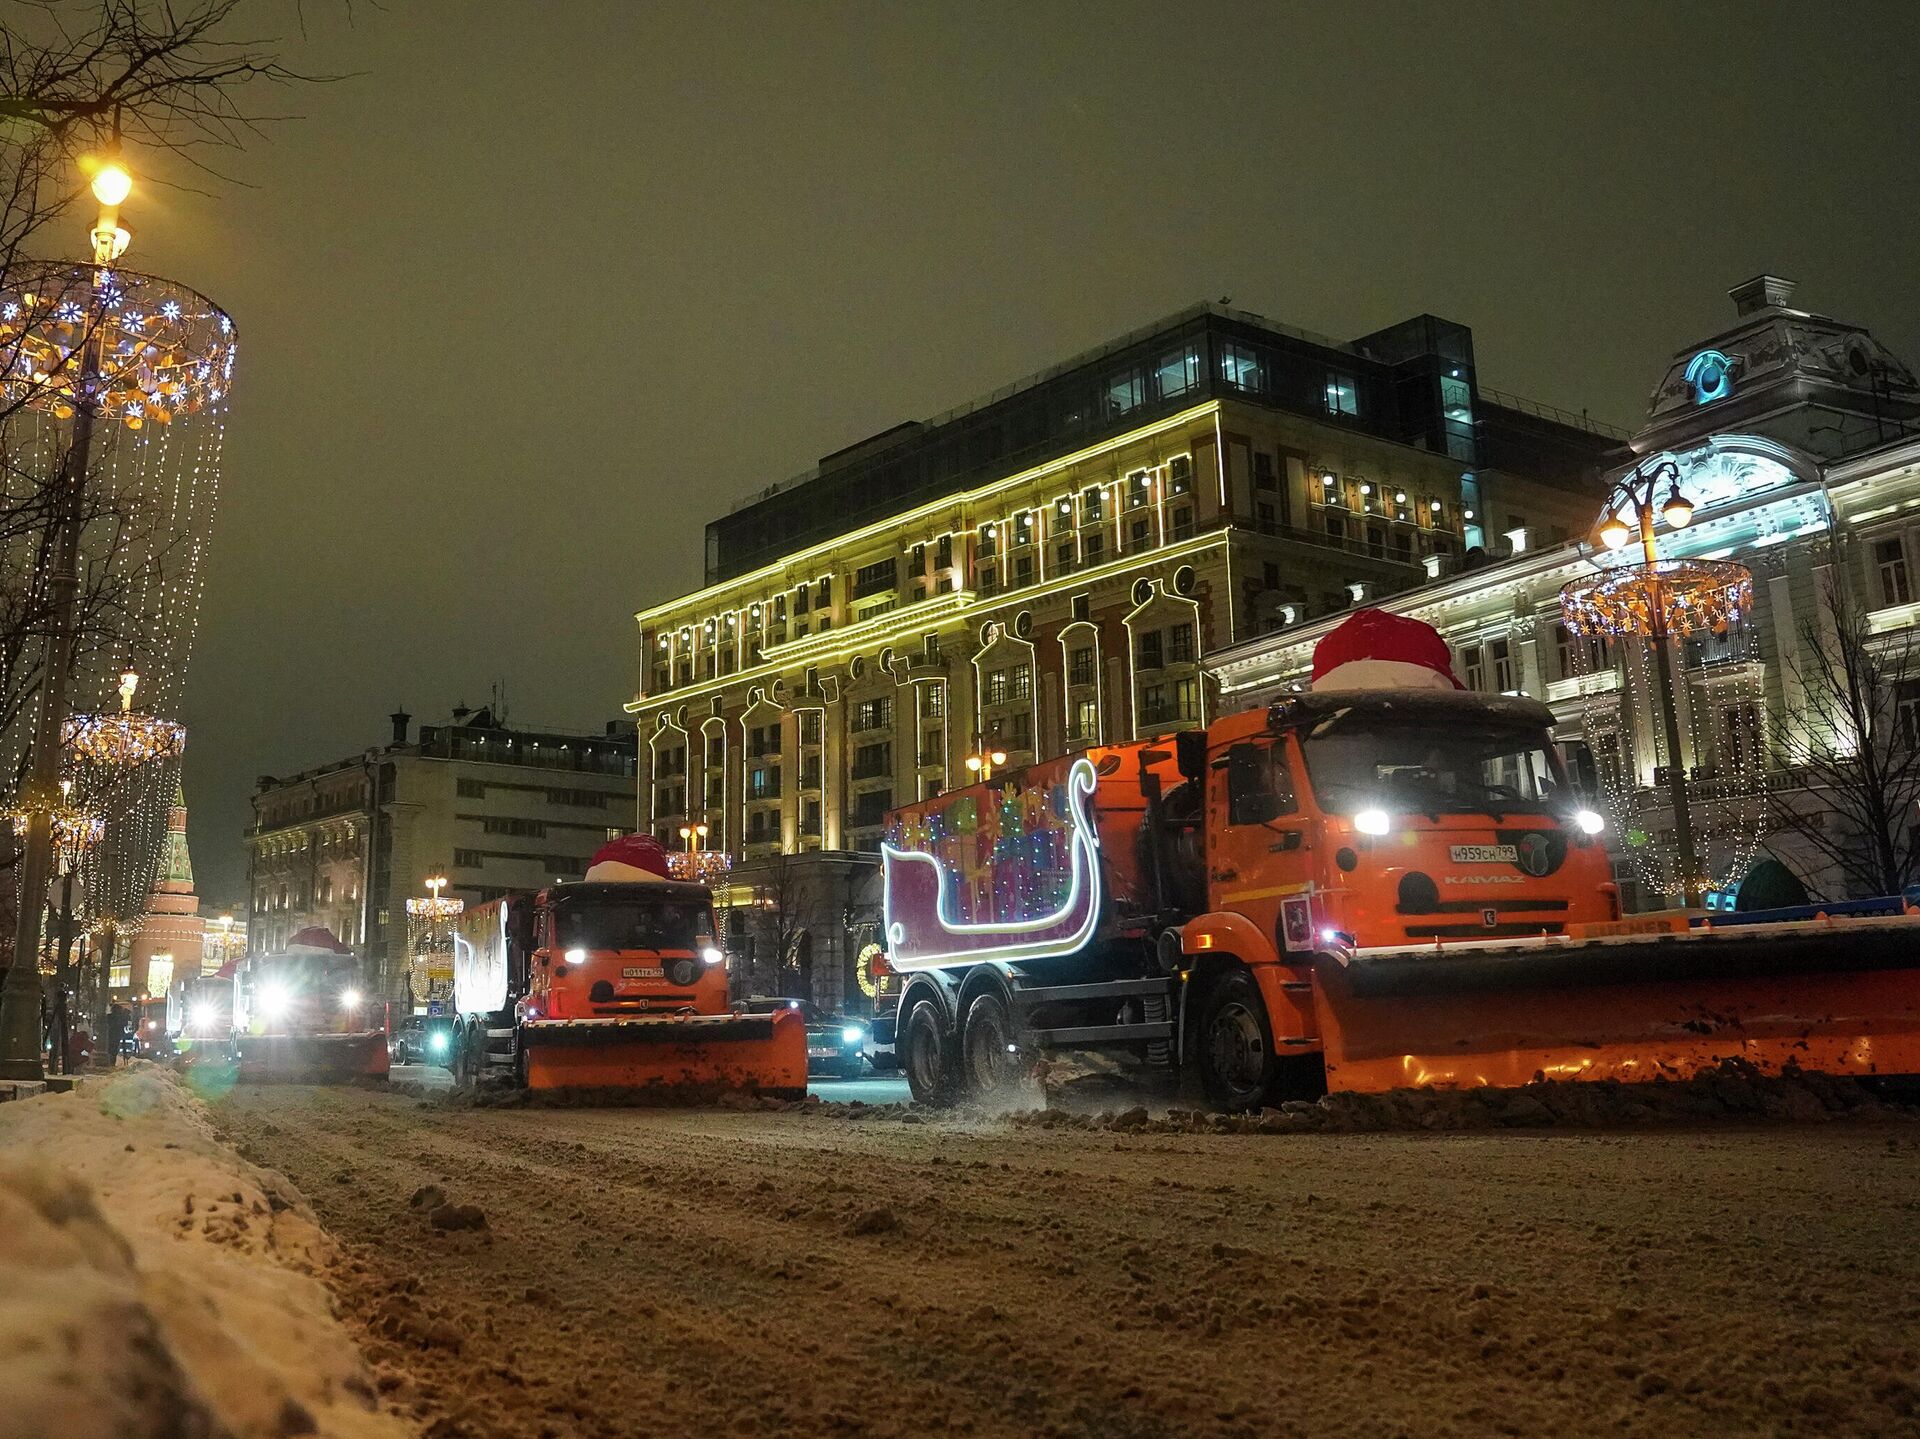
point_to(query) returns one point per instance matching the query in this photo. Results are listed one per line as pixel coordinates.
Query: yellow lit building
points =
(1044, 570)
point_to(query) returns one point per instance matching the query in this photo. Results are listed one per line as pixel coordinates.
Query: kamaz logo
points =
(1489, 917)
(1484, 879)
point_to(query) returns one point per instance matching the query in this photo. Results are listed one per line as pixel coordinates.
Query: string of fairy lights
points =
(165, 370)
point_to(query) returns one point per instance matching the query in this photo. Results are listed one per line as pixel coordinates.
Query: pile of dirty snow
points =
(154, 1285)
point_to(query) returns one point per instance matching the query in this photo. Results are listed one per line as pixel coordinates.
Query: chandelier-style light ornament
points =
(1682, 596)
(125, 739)
(75, 829)
(435, 910)
(701, 866)
(165, 351)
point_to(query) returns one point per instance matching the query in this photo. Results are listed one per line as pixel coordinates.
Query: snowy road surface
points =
(874, 1089)
(712, 1272)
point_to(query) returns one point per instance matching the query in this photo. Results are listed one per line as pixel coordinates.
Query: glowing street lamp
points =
(984, 761)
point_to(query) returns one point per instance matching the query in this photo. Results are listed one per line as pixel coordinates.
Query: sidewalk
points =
(153, 1283)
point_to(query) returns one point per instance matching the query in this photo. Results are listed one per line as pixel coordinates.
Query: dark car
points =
(835, 1044)
(421, 1039)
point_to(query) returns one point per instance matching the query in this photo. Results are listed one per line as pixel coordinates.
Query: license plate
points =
(821, 1053)
(1483, 854)
(635, 972)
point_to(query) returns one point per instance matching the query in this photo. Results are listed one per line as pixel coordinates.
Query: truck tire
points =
(927, 1055)
(1238, 1065)
(989, 1058)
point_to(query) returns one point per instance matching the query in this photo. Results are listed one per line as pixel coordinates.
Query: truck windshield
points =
(632, 924)
(1358, 762)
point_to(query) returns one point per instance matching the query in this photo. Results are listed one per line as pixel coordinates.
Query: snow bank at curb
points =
(154, 1285)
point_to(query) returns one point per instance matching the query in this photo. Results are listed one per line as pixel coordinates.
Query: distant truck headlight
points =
(1371, 821)
(437, 1042)
(1589, 822)
(852, 1034)
(349, 999)
(203, 1018)
(274, 1000)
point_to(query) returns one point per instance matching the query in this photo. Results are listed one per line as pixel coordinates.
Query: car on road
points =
(421, 1039)
(835, 1044)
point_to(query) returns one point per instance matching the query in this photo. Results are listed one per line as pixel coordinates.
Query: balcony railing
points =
(872, 768)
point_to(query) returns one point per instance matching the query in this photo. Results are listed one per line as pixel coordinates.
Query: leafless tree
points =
(785, 899)
(1852, 747)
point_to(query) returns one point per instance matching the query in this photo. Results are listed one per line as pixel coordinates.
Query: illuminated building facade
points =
(495, 809)
(1043, 570)
(1787, 431)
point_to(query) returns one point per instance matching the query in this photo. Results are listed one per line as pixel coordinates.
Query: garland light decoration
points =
(124, 739)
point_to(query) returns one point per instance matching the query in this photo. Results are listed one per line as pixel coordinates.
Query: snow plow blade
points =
(312, 1058)
(683, 1057)
(1840, 998)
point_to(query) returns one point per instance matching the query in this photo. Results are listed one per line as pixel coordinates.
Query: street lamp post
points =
(1637, 489)
(21, 992)
(984, 761)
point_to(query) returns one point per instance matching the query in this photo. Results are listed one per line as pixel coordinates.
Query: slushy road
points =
(874, 1089)
(715, 1272)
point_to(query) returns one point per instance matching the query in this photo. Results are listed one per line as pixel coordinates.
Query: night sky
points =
(540, 288)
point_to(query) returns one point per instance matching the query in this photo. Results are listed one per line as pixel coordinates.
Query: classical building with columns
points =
(1797, 439)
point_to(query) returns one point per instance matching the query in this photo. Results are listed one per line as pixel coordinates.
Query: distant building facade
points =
(1042, 571)
(1789, 431)
(495, 809)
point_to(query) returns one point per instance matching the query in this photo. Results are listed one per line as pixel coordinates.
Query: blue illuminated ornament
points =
(1711, 375)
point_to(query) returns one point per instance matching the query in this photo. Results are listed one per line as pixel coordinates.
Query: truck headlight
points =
(203, 1017)
(576, 956)
(349, 999)
(437, 1042)
(851, 1034)
(274, 1000)
(1371, 821)
(1589, 822)
(713, 955)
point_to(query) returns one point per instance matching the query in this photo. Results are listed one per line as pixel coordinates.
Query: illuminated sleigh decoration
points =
(923, 932)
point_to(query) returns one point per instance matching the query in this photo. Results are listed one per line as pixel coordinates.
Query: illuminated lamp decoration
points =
(1011, 876)
(1615, 621)
(1710, 373)
(701, 866)
(165, 351)
(75, 830)
(870, 968)
(126, 738)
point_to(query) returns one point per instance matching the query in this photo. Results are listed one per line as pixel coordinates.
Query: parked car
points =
(421, 1039)
(835, 1044)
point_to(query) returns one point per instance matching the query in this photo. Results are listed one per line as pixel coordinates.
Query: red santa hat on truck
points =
(632, 858)
(1374, 650)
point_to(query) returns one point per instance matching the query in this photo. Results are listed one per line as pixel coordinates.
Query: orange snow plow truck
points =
(303, 1015)
(1359, 889)
(614, 983)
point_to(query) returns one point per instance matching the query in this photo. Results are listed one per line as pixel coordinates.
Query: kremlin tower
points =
(172, 936)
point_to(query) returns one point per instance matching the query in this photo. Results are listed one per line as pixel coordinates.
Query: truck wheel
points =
(989, 1060)
(1237, 1062)
(927, 1055)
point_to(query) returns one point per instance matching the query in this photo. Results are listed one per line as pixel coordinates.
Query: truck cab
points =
(606, 951)
(1360, 820)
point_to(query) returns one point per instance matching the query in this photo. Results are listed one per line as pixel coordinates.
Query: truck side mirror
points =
(1190, 752)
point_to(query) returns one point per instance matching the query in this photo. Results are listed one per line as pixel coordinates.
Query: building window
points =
(524, 828)
(1125, 392)
(1177, 372)
(1147, 653)
(1343, 394)
(1263, 471)
(1080, 666)
(873, 714)
(1091, 504)
(1337, 527)
(1741, 738)
(872, 761)
(996, 687)
(1265, 520)
(1063, 557)
(1891, 557)
(462, 859)
(1086, 719)
(1022, 681)
(872, 579)
(943, 553)
(1139, 532)
(1186, 699)
(801, 598)
(935, 703)
(1183, 522)
(1022, 570)
(989, 580)
(1020, 731)
(1093, 547)
(1180, 475)
(1473, 667)
(1240, 367)
(985, 549)
(1180, 645)
(823, 592)
(810, 817)
(763, 782)
(810, 721)
(470, 789)
(871, 808)
(1500, 659)
(1023, 528)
